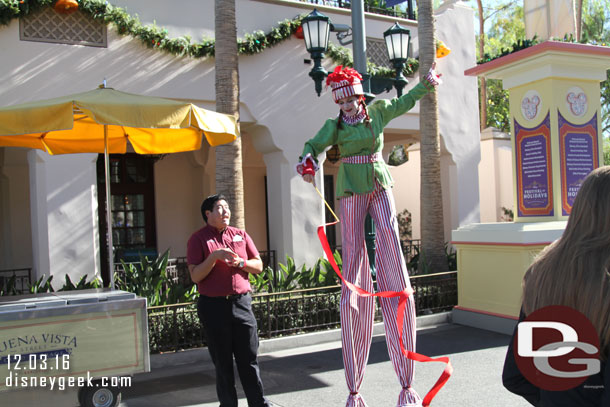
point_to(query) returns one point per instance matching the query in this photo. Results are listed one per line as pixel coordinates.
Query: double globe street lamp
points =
(316, 32)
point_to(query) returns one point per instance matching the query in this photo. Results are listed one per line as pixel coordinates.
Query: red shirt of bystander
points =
(223, 279)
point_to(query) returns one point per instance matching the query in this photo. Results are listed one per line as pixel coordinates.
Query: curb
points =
(191, 356)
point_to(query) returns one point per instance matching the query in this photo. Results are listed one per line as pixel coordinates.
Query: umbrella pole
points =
(108, 208)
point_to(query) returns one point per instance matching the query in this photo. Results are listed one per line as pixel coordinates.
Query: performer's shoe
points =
(408, 397)
(355, 400)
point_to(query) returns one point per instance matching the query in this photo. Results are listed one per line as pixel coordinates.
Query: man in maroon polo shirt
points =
(220, 257)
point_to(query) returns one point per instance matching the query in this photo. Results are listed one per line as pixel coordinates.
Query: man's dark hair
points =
(208, 204)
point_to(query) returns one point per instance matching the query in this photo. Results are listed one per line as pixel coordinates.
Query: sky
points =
(487, 4)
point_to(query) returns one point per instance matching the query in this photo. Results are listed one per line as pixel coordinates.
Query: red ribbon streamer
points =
(402, 303)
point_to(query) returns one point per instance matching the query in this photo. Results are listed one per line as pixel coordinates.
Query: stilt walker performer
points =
(363, 186)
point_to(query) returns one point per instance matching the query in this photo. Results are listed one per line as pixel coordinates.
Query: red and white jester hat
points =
(344, 82)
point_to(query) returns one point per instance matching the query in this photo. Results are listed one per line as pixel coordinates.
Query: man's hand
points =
(227, 256)
(200, 271)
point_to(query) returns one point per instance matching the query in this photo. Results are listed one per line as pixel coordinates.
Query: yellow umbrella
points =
(71, 124)
(102, 120)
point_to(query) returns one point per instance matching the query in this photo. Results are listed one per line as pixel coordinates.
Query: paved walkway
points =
(313, 375)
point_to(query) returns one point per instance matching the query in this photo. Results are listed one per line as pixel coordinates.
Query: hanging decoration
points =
(441, 49)
(65, 6)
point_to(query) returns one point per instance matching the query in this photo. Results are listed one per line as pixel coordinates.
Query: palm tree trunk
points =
(483, 83)
(578, 19)
(229, 172)
(432, 255)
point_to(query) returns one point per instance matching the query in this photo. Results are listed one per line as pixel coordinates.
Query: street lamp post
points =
(398, 40)
(359, 52)
(316, 29)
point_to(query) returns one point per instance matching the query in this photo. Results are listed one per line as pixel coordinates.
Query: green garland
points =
(158, 38)
(518, 46)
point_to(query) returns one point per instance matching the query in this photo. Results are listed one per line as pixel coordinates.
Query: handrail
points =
(28, 269)
(388, 11)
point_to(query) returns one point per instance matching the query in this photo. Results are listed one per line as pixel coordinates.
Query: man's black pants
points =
(230, 329)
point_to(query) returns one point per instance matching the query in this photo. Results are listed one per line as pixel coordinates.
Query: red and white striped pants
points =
(392, 275)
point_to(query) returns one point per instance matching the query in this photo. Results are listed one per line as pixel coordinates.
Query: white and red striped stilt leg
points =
(356, 311)
(392, 275)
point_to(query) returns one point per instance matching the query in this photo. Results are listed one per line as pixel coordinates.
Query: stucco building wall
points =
(279, 110)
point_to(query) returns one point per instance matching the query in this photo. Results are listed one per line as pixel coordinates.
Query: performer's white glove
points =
(307, 168)
(432, 77)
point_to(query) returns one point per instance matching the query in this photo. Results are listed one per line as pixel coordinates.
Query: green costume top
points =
(358, 140)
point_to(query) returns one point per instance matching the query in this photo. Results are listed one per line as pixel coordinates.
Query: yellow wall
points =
(489, 277)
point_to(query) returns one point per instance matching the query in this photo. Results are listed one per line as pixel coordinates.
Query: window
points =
(377, 52)
(49, 26)
(132, 204)
(128, 221)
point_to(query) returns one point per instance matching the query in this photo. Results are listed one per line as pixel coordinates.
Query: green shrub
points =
(43, 285)
(145, 278)
(149, 279)
(322, 274)
(176, 293)
(288, 277)
(262, 282)
(507, 215)
(82, 284)
(451, 257)
(8, 287)
(413, 264)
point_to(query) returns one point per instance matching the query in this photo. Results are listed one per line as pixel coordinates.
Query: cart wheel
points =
(99, 396)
